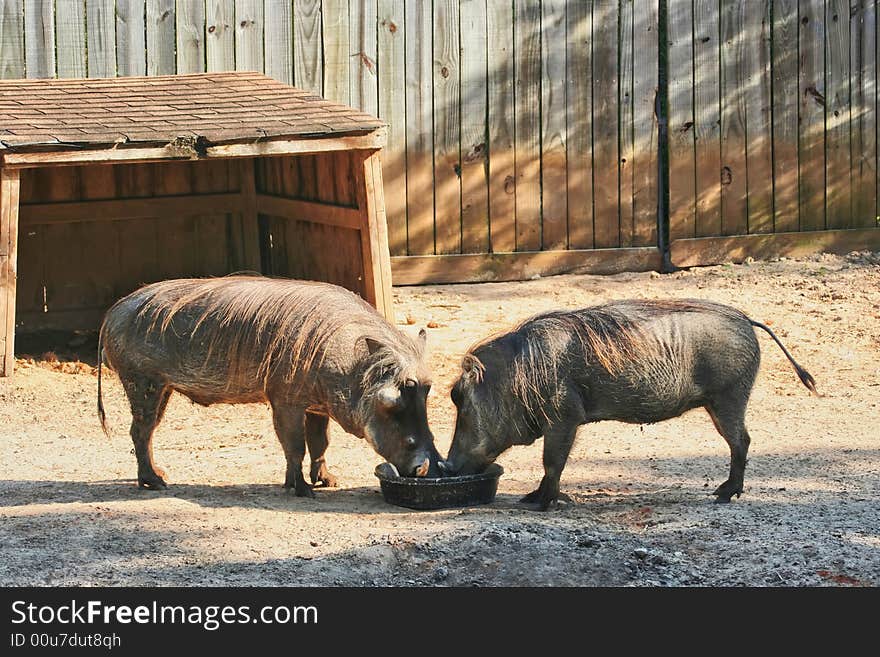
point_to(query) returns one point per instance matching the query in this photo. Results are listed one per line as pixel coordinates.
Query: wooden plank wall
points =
(300, 248)
(70, 272)
(520, 125)
(773, 118)
(514, 126)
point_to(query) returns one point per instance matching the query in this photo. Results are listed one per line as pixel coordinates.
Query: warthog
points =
(631, 361)
(314, 351)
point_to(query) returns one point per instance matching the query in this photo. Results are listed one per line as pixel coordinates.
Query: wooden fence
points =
(780, 98)
(523, 137)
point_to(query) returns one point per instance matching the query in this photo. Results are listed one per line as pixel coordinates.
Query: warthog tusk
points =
(422, 470)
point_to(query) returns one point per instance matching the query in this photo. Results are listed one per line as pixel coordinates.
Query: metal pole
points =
(661, 111)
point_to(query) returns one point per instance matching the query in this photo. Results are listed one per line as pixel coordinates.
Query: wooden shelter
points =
(107, 184)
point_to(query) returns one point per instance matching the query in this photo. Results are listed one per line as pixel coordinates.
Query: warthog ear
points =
(472, 368)
(373, 345)
(423, 339)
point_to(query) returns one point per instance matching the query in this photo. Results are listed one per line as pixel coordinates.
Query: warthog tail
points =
(805, 377)
(101, 415)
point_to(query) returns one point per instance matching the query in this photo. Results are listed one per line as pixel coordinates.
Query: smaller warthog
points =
(632, 361)
(314, 351)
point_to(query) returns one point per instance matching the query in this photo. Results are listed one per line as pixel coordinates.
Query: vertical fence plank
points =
(876, 222)
(759, 128)
(811, 92)
(785, 115)
(682, 128)
(527, 122)
(645, 81)
(190, 37)
(707, 110)
(625, 130)
(606, 169)
(131, 46)
(101, 36)
(138, 238)
(12, 39)
(308, 62)
(160, 37)
(447, 127)
(39, 25)
(554, 138)
(856, 105)
(734, 201)
(419, 129)
(278, 39)
(474, 181)
(362, 43)
(249, 35)
(500, 107)
(392, 108)
(70, 39)
(220, 35)
(100, 245)
(863, 156)
(334, 26)
(214, 257)
(178, 247)
(61, 242)
(579, 124)
(838, 211)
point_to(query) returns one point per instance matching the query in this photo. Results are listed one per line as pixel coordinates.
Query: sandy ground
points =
(642, 512)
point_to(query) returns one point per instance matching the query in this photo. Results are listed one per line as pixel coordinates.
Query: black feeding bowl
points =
(438, 493)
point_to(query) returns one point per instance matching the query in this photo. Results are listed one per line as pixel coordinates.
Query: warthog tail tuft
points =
(805, 377)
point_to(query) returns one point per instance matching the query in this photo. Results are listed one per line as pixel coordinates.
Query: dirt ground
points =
(642, 513)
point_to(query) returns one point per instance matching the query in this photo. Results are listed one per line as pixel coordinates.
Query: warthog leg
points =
(729, 419)
(317, 441)
(557, 445)
(290, 426)
(148, 400)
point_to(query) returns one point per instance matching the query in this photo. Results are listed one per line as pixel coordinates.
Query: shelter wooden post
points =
(250, 247)
(9, 188)
(374, 234)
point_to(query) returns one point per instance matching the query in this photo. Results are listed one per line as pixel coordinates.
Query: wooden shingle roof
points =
(207, 108)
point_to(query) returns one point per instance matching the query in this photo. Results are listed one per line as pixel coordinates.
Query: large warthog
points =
(312, 350)
(631, 361)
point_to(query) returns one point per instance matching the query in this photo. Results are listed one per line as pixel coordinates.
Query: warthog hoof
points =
(300, 487)
(152, 480)
(726, 491)
(545, 499)
(320, 474)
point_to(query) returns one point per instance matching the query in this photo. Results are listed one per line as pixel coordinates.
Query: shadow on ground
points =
(58, 346)
(820, 528)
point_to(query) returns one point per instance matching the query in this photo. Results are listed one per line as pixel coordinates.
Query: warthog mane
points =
(609, 334)
(288, 324)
